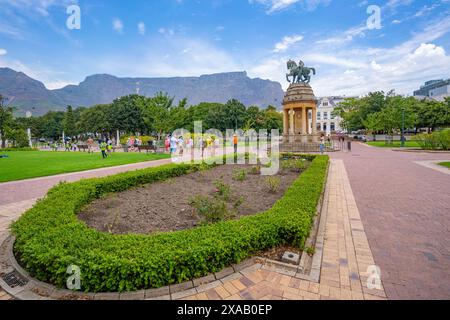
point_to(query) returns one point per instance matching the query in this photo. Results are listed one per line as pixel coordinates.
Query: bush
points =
(255, 170)
(223, 189)
(273, 183)
(439, 140)
(239, 175)
(49, 237)
(211, 209)
(144, 139)
(294, 165)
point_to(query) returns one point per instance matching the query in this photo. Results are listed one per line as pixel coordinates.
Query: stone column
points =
(292, 126)
(304, 121)
(314, 121)
(285, 122)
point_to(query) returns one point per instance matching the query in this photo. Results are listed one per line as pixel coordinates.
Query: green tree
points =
(433, 114)
(126, 114)
(6, 117)
(69, 123)
(234, 114)
(156, 114)
(95, 120)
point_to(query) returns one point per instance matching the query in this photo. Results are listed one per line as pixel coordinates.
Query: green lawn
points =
(33, 164)
(445, 164)
(396, 144)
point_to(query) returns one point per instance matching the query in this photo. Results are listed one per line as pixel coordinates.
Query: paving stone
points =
(204, 280)
(174, 288)
(224, 273)
(107, 296)
(138, 295)
(159, 292)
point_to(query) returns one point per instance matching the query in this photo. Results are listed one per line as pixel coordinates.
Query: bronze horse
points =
(299, 73)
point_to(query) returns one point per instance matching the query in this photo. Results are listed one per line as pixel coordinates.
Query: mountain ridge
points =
(28, 94)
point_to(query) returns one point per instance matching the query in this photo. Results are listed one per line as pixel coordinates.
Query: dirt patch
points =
(278, 252)
(164, 206)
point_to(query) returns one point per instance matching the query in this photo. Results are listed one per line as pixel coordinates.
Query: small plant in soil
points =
(310, 251)
(293, 165)
(211, 209)
(273, 184)
(223, 189)
(256, 170)
(239, 175)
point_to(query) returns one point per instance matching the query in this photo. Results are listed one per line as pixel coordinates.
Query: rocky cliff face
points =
(29, 94)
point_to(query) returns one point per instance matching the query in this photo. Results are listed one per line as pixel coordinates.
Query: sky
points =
(352, 50)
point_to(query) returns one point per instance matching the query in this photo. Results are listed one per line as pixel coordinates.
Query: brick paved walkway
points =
(346, 257)
(405, 209)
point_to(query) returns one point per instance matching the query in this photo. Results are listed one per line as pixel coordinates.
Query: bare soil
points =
(164, 206)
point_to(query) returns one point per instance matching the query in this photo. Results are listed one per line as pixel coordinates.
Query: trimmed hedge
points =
(49, 237)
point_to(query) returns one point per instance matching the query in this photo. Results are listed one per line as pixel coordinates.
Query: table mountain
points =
(26, 93)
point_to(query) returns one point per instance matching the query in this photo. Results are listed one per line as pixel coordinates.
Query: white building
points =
(327, 122)
(434, 89)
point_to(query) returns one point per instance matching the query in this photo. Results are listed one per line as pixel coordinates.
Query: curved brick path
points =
(405, 209)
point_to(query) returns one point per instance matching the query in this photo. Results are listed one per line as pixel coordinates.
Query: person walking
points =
(90, 144)
(103, 147)
(235, 143)
(322, 144)
(167, 143)
(181, 146)
(110, 148)
(173, 145)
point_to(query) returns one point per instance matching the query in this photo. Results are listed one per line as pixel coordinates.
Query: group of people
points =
(178, 145)
(133, 143)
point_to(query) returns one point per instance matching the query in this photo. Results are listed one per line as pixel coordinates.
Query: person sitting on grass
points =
(103, 147)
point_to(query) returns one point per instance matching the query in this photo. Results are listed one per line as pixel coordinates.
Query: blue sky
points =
(192, 37)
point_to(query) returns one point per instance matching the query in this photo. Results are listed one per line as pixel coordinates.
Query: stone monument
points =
(299, 106)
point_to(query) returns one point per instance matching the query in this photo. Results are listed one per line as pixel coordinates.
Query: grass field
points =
(396, 144)
(445, 164)
(33, 164)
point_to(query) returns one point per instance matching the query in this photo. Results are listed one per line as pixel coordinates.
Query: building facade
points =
(434, 89)
(327, 122)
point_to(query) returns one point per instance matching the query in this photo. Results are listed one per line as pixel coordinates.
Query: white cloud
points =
(345, 37)
(141, 28)
(354, 70)
(278, 5)
(118, 26)
(169, 57)
(165, 31)
(375, 66)
(287, 42)
(3, 52)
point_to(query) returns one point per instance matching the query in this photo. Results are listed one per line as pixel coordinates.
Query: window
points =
(333, 126)
(318, 127)
(324, 127)
(318, 115)
(325, 104)
(332, 115)
(325, 116)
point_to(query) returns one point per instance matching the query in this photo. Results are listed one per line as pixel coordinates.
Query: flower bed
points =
(49, 237)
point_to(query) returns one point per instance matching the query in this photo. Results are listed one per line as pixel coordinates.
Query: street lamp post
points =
(403, 128)
(28, 115)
